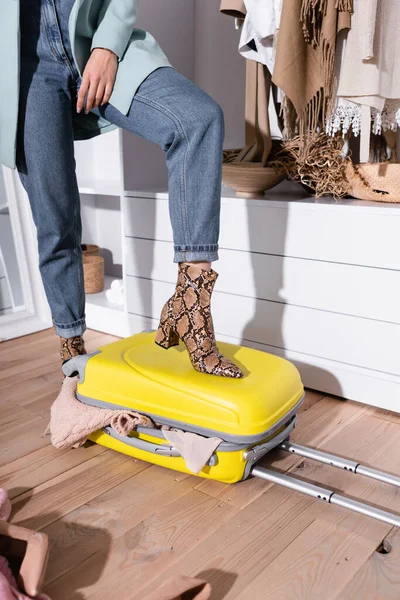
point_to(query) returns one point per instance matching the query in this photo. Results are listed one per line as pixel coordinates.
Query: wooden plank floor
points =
(118, 527)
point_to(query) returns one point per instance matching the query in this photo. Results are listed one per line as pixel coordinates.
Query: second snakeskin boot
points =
(187, 315)
(71, 347)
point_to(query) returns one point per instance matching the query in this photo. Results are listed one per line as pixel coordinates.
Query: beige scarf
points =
(305, 59)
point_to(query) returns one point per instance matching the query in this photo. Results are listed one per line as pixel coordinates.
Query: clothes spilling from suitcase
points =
(133, 398)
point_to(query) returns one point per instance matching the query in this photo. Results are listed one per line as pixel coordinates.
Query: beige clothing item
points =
(182, 588)
(370, 70)
(195, 449)
(305, 58)
(258, 141)
(368, 74)
(368, 20)
(71, 421)
(234, 8)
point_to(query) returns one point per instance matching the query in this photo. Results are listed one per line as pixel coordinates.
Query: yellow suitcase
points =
(252, 415)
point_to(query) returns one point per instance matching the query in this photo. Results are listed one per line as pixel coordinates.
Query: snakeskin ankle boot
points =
(71, 347)
(187, 316)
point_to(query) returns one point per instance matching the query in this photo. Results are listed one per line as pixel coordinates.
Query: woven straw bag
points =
(90, 249)
(93, 269)
(379, 182)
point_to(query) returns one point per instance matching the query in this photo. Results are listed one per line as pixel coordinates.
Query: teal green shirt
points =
(92, 24)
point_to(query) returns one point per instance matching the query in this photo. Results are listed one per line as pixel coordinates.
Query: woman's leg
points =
(173, 112)
(47, 171)
(46, 165)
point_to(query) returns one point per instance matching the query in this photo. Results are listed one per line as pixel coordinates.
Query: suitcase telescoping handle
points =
(328, 495)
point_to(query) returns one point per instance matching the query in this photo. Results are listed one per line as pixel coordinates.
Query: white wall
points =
(101, 224)
(202, 45)
(218, 67)
(171, 22)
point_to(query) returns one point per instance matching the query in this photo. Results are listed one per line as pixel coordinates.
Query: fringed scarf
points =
(305, 60)
(313, 13)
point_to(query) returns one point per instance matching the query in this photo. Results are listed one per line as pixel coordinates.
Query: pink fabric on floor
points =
(5, 507)
(71, 421)
(195, 449)
(6, 581)
(8, 586)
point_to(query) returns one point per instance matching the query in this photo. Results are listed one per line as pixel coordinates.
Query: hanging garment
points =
(348, 115)
(368, 71)
(305, 58)
(258, 142)
(234, 8)
(257, 40)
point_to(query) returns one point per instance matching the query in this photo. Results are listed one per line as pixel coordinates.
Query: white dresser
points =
(315, 281)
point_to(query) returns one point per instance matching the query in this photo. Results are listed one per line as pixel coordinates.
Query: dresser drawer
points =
(342, 338)
(347, 289)
(352, 234)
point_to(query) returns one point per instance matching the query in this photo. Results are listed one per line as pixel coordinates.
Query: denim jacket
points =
(93, 24)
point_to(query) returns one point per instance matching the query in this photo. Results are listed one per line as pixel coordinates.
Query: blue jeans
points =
(167, 109)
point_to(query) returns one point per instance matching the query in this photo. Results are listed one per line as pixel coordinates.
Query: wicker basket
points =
(379, 182)
(93, 269)
(90, 249)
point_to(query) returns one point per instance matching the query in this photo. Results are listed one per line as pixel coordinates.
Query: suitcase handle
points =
(135, 442)
(77, 365)
(257, 452)
(251, 456)
(162, 449)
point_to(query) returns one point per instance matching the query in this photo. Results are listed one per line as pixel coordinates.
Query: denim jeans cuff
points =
(193, 256)
(72, 329)
(198, 253)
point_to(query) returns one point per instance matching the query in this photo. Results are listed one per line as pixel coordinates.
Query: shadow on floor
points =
(221, 582)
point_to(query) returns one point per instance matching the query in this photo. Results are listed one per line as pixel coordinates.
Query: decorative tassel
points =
(344, 5)
(312, 14)
(311, 17)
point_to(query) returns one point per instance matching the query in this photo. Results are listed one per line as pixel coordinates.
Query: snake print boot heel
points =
(71, 347)
(187, 316)
(166, 335)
